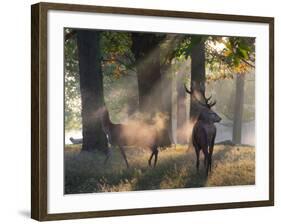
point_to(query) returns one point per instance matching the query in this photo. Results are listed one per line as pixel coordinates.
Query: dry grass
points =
(85, 172)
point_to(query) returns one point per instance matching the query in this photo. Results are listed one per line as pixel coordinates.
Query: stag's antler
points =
(212, 104)
(188, 91)
(208, 101)
(198, 101)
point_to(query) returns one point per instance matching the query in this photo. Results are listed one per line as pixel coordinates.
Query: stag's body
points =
(203, 138)
(204, 130)
(121, 135)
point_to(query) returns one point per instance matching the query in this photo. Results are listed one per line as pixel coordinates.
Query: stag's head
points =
(206, 112)
(208, 115)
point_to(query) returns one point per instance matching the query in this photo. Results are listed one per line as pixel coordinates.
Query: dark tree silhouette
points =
(148, 71)
(198, 77)
(91, 87)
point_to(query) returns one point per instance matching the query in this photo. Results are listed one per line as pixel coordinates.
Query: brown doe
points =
(121, 135)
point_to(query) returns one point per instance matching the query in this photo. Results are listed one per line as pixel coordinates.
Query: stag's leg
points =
(207, 158)
(210, 158)
(124, 156)
(197, 150)
(211, 149)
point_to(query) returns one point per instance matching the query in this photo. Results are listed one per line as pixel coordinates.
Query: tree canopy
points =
(225, 57)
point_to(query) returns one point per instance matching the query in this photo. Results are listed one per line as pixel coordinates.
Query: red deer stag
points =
(121, 135)
(204, 131)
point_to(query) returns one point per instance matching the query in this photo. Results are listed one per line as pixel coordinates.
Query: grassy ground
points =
(85, 172)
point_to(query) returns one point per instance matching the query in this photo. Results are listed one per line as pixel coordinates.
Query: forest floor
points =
(85, 172)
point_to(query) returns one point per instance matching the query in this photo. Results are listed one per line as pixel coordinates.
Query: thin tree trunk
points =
(91, 87)
(167, 100)
(238, 110)
(181, 110)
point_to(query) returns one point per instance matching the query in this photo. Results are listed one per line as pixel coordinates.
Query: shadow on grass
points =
(222, 153)
(86, 173)
(180, 172)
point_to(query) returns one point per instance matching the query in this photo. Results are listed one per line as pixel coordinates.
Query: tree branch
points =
(248, 63)
(121, 63)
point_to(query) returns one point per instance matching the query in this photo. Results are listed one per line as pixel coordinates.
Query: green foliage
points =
(184, 48)
(228, 56)
(188, 42)
(117, 57)
(240, 52)
(225, 56)
(71, 85)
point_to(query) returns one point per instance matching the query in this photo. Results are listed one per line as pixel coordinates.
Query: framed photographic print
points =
(138, 111)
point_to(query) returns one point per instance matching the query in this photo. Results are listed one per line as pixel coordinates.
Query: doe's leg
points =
(150, 158)
(155, 155)
(124, 156)
(108, 155)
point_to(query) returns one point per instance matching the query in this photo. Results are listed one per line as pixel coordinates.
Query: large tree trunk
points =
(198, 77)
(91, 87)
(147, 55)
(149, 83)
(238, 110)
(146, 50)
